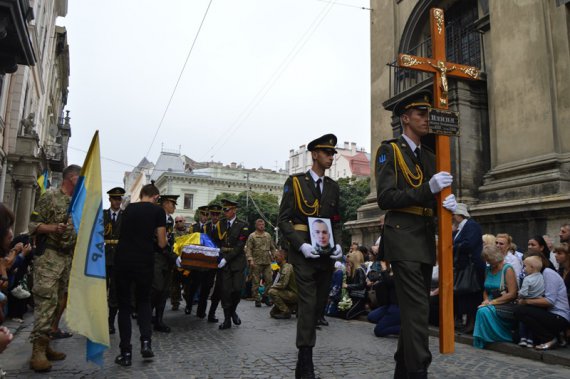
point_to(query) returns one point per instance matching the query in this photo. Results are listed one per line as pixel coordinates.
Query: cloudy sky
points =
(263, 77)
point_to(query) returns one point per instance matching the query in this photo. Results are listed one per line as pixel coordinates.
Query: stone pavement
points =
(265, 348)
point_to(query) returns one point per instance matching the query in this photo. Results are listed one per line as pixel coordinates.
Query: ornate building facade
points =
(511, 162)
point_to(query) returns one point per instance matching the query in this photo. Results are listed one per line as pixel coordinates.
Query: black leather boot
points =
(306, 367)
(227, 319)
(235, 317)
(112, 313)
(125, 358)
(159, 325)
(146, 349)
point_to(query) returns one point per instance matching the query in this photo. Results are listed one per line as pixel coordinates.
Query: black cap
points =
(420, 100)
(116, 192)
(203, 209)
(215, 208)
(226, 203)
(326, 142)
(172, 198)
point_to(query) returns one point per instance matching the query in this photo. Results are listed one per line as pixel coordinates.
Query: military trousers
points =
(111, 288)
(412, 281)
(284, 300)
(313, 285)
(257, 272)
(232, 284)
(51, 278)
(176, 287)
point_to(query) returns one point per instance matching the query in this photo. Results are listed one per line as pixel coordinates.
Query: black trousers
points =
(232, 284)
(217, 293)
(543, 324)
(412, 281)
(202, 280)
(142, 282)
(313, 285)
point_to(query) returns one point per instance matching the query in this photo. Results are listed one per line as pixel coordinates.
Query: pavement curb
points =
(559, 356)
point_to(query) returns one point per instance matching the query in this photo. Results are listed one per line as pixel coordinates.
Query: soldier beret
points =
(326, 142)
(172, 198)
(203, 209)
(226, 203)
(420, 100)
(215, 208)
(116, 192)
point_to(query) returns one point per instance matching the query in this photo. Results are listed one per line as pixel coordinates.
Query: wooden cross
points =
(442, 70)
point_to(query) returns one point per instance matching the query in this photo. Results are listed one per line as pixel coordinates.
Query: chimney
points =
(233, 165)
(353, 147)
(345, 145)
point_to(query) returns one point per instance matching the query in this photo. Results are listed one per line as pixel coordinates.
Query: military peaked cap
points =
(172, 198)
(215, 208)
(326, 142)
(116, 192)
(420, 100)
(226, 203)
(203, 209)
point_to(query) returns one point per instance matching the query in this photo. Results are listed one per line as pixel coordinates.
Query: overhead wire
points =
(272, 80)
(179, 77)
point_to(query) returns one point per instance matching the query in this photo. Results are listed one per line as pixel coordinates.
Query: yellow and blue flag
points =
(43, 181)
(87, 311)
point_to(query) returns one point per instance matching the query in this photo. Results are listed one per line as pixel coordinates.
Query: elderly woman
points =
(546, 317)
(500, 288)
(505, 244)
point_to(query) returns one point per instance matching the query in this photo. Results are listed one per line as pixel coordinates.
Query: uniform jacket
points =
(259, 248)
(406, 237)
(290, 214)
(285, 279)
(233, 243)
(112, 231)
(195, 228)
(212, 232)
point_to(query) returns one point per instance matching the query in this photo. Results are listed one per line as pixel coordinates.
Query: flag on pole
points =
(43, 182)
(87, 301)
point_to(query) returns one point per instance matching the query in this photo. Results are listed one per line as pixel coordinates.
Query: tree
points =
(267, 204)
(352, 194)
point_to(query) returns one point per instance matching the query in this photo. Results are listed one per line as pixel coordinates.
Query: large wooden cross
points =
(442, 70)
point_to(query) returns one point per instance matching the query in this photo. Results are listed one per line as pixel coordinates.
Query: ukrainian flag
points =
(87, 301)
(43, 182)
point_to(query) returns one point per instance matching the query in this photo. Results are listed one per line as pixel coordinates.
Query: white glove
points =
(222, 263)
(308, 251)
(439, 181)
(450, 203)
(337, 253)
(179, 262)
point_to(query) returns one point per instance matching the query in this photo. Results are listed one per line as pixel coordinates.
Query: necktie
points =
(113, 217)
(418, 153)
(229, 225)
(319, 193)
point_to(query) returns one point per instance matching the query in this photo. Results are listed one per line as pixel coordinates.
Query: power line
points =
(348, 5)
(260, 95)
(179, 77)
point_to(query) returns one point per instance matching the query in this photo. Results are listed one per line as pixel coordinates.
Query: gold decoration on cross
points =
(408, 60)
(438, 14)
(471, 71)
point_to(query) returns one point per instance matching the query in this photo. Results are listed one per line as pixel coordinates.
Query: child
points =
(532, 288)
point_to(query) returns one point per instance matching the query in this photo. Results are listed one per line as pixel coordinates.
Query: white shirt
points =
(316, 177)
(231, 221)
(459, 227)
(411, 143)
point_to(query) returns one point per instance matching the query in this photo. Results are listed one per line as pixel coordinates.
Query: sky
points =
(247, 83)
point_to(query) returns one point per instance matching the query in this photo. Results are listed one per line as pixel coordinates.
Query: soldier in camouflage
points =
(51, 220)
(283, 292)
(259, 250)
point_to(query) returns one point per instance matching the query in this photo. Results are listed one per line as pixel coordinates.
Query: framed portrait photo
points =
(321, 233)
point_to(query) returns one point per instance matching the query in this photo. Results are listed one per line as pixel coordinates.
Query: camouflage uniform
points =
(258, 249)
(284, 291)
(52, 268)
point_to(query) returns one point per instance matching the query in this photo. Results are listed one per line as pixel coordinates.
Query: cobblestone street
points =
(265, 348)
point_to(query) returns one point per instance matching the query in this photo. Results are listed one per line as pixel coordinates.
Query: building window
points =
(188, 201)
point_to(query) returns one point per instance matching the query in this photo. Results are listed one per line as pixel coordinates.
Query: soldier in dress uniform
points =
(407, 183)
(112, 222)
(180, 230)
(233, 234)
(311, 194)
(198, 227)
(212, 228)
(164, 261)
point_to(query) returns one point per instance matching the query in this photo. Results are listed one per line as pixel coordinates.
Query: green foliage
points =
(352, 195)
(267, 203)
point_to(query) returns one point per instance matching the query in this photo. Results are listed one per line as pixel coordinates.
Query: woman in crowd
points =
(336, 290)
(538, 244)
(488, 239)
(562, 255)
(500, 288)
(505, 244)
(134, 265)
(6, 236)
(355, 284)
(387, 315)
(548, 316)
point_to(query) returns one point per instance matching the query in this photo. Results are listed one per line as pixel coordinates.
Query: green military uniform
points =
(408, 239)
(52, 268)
(232, 242)
(176, 283)
(283, 292)
(259, 248)
(215, 275)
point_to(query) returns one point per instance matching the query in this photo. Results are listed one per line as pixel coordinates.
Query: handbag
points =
(507, 310)
(466, 280)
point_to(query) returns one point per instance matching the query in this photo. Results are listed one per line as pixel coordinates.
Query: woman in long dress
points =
(500, 288)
